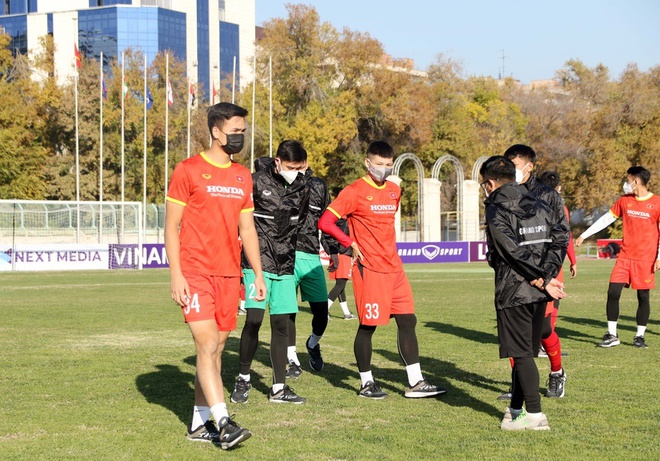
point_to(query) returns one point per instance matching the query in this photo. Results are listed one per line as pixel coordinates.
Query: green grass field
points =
(99, 365)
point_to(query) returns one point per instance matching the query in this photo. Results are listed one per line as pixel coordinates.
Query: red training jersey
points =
(641, 218)
(214, 196)
(370, 210)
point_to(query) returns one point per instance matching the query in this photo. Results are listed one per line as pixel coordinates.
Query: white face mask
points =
(379, 173)
(289, 175)
(520, 175)
(628, 189)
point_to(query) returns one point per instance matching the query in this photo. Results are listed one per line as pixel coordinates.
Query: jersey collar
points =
(371, 182)
(208, 160)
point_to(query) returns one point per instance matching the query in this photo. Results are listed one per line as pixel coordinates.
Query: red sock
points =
(552, 347)
(511, 361)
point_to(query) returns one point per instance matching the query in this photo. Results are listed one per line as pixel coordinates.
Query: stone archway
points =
(460, 176)
(420, 189)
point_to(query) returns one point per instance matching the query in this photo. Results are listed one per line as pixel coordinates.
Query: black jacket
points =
(279, 208)
(332, 246)
(527, 240)
(319, 199)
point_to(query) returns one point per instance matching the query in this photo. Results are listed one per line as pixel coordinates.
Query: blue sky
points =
(537, 37)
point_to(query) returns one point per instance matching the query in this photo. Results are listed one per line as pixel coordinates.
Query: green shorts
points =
(310, 277)
(280, 297)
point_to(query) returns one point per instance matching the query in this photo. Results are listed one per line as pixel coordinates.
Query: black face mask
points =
(235, 142)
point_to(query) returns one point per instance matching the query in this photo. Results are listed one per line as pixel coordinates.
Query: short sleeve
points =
(344, 204)
(180, 188)
(248, 203)
(618, 208)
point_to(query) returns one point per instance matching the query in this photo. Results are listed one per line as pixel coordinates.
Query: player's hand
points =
(656, 266)
(179, 289)
(259, 288)
(555, 288)
(573, 270)
(538, 283)
(357, 254)
(578, 241)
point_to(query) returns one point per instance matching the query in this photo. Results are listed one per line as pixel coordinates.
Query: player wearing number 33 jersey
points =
(380, 284)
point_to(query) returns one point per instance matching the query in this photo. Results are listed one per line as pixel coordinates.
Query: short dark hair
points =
(381, 149)
(520, 150)
(219, 113)
(549, 178)
(498, 168)
(641, 173)
(291, 151)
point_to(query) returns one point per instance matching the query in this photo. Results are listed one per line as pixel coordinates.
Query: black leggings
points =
(278, 342)
(643, 304)
(406, 342)
(338, 291)
(319, 321)
(525, 385)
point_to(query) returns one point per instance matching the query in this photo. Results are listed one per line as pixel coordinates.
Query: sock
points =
(414, 374)
(365, 377)
(552, 347)
(245, 377)
(535, 415)
(242, 304)
(641, 330)
(313, 341)
(201, 414)
(557, 373)
(330, 303)
(277, 387)
(344, 307)
(611, 327)
(219, 411)
(292, 355)
(515, 413)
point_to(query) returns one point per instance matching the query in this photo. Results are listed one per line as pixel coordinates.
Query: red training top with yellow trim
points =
(641, 218)
(214, 196)
(370, 210)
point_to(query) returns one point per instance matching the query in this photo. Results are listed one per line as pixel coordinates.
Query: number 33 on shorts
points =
(371, 311)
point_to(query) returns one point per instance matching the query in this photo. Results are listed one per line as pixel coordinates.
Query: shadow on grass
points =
(171, 388)
(436, 371)
(633, 320)
(463, 333)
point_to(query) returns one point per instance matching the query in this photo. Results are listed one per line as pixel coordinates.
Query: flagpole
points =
(233, 81)
(270, 107)
(77, 168)
(189, 108)
(101, 150)
(144, 156)
(123, 142)
(167, 119)
(254, 91)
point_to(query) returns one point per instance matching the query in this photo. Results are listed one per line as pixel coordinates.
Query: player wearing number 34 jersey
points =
(380, 284)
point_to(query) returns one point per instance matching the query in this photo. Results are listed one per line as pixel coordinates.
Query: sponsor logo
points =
(267, 193)
(224, 190)
(5, 257)
(370, 198)
(638, 214)
(206, 176)
(647, 281)
(430, 251)
(532, 230)
(383, 207)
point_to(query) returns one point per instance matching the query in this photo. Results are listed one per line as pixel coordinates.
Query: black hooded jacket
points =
(332, 246)
(527, 240)
(279, 210)
(319, 199)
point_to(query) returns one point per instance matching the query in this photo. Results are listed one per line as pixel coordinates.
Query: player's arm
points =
(178, 284)
(603, 222)
(328, 224)
(503, 236)
(656, 266)
(250, 241)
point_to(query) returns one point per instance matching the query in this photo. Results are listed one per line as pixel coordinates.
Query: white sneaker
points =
(524, 421)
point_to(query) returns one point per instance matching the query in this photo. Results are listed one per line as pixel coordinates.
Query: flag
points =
(215, 93)
(105, 89)
(125, 92)
(150, 99)
(192, 95)
(170, 94)
(78, 57)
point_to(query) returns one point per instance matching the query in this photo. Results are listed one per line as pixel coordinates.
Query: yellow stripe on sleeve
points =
(247, 210)
(334, 212)
(173, 200)
(612, 213)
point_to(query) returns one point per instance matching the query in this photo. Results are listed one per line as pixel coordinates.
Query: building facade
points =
(213, 37)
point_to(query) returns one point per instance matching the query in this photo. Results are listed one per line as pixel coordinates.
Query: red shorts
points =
(213, 297)
(379, 295)
(636, 274)
(344, 269)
